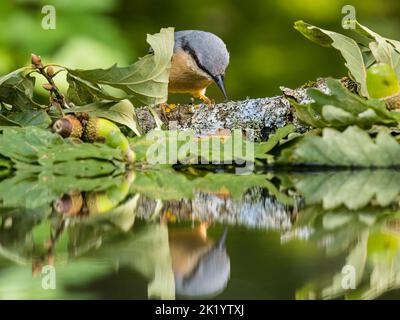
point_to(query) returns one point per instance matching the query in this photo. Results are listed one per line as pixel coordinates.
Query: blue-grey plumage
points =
(199, 59)
(209, 276)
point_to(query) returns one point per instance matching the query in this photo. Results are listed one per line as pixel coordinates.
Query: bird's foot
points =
(202, 229)
(166, 108)
(206, 100)
(163, 106)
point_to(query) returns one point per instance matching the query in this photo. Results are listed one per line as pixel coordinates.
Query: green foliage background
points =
(265, 49)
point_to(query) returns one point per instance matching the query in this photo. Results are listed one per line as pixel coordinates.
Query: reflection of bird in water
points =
(201, 267)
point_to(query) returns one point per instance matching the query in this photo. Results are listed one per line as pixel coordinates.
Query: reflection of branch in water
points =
(255, 209)
(49, 256)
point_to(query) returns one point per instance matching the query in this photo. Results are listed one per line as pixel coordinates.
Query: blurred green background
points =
(266, 51)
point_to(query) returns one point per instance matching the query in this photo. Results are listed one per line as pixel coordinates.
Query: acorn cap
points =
(393, 102)
(90, 133)
(69, 204)
(91, 202)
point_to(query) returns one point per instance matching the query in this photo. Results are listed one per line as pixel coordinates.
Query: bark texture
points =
(255, 209)
(262, 115)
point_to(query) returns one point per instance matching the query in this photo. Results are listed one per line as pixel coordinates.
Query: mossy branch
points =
(262, 115)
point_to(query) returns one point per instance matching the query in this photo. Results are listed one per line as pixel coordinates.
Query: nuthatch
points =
(199, 59)
(201, 267)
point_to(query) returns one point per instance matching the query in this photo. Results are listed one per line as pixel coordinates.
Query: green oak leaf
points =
(350, 148)
(342, 108)
(146, 80)
(261, 149)
(34, 117)
(82, 92)
(383, 50)
(347, 47)
(121, 112)
(16, 89)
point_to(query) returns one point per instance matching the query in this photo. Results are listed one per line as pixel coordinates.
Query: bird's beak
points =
(219, 80)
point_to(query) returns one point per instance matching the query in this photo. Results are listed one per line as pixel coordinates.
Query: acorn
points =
(99, 202)
(104, 201)
(69, 204)
(382, 83)
(393, 102)
(383, 246)
(68, 126)
(103, 130)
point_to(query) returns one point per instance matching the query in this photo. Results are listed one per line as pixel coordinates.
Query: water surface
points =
(168, 234)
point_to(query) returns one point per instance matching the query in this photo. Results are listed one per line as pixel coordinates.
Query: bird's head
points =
(208, 51)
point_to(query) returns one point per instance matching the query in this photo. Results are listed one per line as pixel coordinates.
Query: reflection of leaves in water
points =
(168, 184)
(5, 167)
(338, 228)
(146, 251)
(32, 191)
(375, 256)
(17, 282)
(370, 239)
(353, 189)
(362, 232)
(15, 242)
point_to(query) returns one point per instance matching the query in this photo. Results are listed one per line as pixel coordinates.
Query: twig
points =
(48, 73)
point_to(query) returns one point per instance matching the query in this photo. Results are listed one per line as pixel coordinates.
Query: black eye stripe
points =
(186, 47)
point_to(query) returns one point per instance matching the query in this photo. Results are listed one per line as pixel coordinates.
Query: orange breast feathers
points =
(185, 76)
